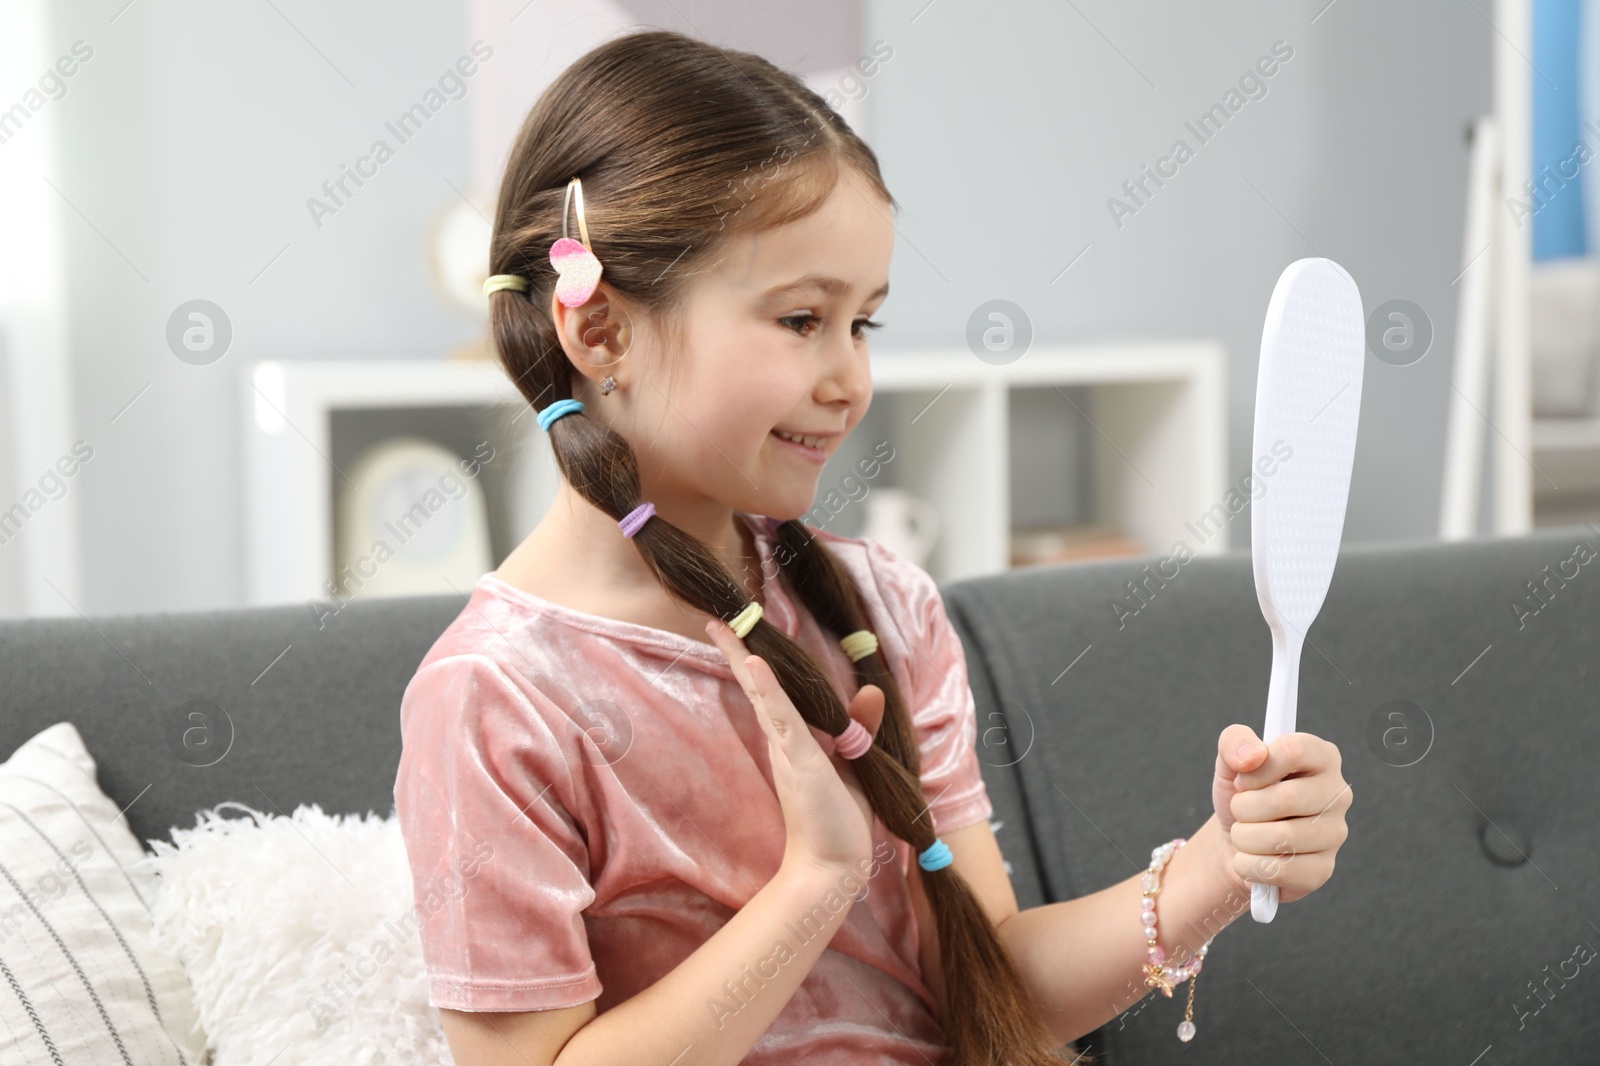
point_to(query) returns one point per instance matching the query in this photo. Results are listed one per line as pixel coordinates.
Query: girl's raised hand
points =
(1281, 809)
(826, 815)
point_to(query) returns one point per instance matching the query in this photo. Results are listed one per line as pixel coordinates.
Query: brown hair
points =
(680, 144)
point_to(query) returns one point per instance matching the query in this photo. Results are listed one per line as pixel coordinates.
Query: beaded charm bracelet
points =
(1157, 973)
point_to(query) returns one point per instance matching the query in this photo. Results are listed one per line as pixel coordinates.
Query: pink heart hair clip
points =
(577, 269)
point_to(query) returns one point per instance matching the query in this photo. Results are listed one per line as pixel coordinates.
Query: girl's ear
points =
(595, 334)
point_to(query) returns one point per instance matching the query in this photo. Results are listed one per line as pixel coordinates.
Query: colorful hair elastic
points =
(935, 856)
(635, 518)
(556, 410)
(860, 644)
(746, 619)
(495, 282)
(853, 742)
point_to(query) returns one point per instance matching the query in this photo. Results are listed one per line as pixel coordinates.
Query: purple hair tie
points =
(635, 518)
(774, 523)
(854, 741)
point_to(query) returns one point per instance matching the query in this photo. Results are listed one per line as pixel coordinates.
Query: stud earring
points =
(607, 383)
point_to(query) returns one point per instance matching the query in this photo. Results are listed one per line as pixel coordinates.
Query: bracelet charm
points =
(1158, 973)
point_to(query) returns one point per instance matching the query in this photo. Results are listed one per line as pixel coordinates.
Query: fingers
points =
(1287, 811)
(867, 708)
(782, 722)
(1292, 753)
(1297, 797)
(1295, 874)
(777, 712)
(1289, 836)
(742, 662)
(1238, 749)
(778, 716)
(732, 649)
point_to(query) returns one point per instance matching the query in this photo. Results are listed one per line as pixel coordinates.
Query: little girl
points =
(685, 784)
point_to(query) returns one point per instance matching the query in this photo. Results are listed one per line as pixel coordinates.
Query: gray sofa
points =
(1466, 904)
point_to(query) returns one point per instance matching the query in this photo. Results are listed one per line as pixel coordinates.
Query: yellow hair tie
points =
(495, 282)
(746, 619)
(860, 644)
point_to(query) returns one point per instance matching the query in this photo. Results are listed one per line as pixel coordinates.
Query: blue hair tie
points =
(936, 856)
(556, 410)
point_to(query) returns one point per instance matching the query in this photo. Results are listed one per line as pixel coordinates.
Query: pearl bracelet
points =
(1157, 973)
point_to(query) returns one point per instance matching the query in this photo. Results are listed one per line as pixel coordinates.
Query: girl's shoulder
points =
(503, 637)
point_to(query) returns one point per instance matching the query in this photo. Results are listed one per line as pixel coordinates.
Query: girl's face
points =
(773, 337)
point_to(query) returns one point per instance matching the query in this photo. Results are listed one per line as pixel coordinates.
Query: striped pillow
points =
(83, 979)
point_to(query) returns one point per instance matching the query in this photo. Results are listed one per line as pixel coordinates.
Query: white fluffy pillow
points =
(83, 978)
(300, 937)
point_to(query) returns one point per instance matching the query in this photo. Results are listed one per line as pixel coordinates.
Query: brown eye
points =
(857, 328)
(798, 318)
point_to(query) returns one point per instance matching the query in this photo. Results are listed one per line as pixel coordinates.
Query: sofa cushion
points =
(1460, 683)
(271, 706)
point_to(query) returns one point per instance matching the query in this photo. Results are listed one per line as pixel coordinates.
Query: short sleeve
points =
(943, 712)
(500, 868)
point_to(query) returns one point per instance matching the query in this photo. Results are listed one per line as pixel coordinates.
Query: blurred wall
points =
(191, 144)
(196, 143)
(206, 152)
(1005, 129)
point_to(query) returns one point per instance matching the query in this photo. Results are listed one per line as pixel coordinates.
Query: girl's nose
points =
(848, 378)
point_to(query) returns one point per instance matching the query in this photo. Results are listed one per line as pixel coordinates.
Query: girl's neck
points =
(577, 540)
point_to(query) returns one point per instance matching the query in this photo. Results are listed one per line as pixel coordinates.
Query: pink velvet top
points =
(585, 801)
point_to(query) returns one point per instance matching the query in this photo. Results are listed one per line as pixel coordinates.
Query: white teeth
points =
(810, 442)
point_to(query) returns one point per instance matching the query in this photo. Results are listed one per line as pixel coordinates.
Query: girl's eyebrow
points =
(826, 284)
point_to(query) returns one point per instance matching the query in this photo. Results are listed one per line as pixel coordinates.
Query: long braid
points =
(834, 601)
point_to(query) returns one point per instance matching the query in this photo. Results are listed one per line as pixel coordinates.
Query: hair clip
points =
(577, 269)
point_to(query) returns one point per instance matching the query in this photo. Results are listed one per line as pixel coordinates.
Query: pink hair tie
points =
(854, 741)
(635, 518)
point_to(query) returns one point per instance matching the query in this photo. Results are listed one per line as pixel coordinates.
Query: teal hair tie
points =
(936, 856)
(556, 410)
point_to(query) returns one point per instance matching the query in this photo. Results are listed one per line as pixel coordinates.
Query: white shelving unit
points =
(1157, 438)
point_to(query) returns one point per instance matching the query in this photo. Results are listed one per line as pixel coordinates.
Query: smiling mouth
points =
(815, 452)
(819, 440)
